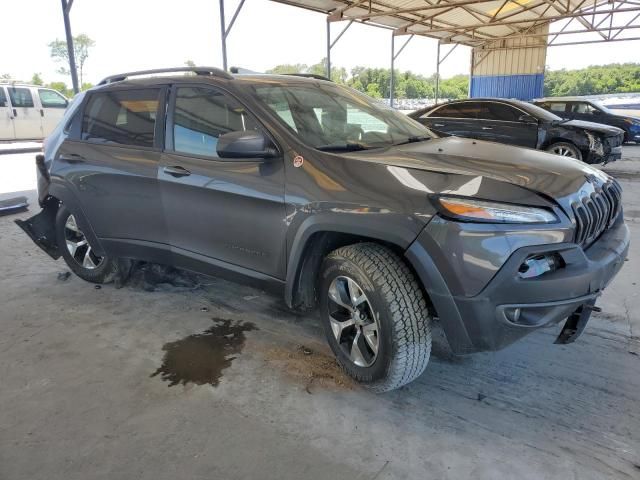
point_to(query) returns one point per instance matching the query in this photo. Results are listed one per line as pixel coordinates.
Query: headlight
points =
(595, 144)
(491, 212)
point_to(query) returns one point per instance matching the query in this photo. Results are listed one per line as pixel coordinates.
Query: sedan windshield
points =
(333, 118)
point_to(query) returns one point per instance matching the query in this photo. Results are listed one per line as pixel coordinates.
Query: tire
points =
(389, 301)
(77, 252)
(565, 149)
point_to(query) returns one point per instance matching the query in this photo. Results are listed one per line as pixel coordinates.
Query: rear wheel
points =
(565, 149)
(375, 316)
(78, 253)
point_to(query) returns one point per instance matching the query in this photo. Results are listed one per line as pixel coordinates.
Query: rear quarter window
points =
(124, 117)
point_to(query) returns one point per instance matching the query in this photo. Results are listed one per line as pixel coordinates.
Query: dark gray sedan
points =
(520, 123)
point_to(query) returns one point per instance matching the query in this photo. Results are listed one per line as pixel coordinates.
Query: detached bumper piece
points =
(576, 322)
(13, 205)
(41, 229)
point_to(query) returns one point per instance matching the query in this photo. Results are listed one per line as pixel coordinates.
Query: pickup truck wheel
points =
(78, 254)
(375, 316)
(565, 149)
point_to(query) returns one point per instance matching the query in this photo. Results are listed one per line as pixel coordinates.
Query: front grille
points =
(596, 212)
(614, 140)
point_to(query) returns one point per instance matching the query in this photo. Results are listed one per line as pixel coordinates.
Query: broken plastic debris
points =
(64, 276)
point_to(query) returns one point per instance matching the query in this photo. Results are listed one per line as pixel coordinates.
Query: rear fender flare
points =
(69, 199)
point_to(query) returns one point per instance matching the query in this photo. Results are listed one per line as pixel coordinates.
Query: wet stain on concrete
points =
(201, 358)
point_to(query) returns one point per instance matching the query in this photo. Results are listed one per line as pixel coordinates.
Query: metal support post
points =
(226, 30)
(331, 44)
(66, 8)
(394, 55)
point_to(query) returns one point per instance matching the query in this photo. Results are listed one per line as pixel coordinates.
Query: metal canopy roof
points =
(477, 23)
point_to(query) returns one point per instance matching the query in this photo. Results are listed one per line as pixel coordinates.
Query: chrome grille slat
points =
(595, 213)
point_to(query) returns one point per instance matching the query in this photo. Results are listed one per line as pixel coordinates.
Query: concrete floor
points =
(78, 399)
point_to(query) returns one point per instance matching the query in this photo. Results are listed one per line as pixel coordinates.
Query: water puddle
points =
(201, 358)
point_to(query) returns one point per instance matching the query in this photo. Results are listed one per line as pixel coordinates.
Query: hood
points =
(606, 130)
(551, 175)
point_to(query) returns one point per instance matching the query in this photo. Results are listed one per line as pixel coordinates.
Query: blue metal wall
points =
(523, 87)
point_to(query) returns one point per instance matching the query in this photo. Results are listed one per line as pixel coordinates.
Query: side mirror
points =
(245, 144)
(526, 118)
(596, 112)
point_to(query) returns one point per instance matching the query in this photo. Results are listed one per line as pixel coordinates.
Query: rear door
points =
(230, 210)
(503, 123)
(449, 119)
(27, 122)
(6, 117)
(113, 163)
(52, 107)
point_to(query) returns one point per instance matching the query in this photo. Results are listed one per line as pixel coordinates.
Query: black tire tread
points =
(411, 321)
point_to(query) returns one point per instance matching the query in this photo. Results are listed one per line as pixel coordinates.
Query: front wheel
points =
(375, 316)
(78, 253)
(565, 149)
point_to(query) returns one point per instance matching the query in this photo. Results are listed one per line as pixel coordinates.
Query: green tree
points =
(81, 45)
(373, 90)
(289, 68)
(593, 80)
(36, 79)
(61, 87)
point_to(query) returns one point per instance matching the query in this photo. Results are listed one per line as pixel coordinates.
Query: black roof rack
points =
(212, 71)
(240, 70)
(310, 75)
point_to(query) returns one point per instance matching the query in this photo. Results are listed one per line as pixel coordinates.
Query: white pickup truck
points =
(29, 112)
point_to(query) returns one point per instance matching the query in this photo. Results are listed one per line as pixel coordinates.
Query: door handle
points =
(487, 128)
(41, 112)
(176, 171)
(438, 124)
(15, 113)
(71, 158)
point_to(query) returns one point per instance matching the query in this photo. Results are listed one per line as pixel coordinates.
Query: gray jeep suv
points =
(339, 203)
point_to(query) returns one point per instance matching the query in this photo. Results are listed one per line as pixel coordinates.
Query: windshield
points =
(329, 117)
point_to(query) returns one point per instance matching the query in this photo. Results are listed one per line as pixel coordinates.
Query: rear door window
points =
(125, 117)
(558, 107)
(583, 108)
(201, 115)
(447, 111)
(51, 99)
(20, 97)
(499, 111)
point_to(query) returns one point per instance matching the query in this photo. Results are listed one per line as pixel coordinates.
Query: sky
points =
(140, 34)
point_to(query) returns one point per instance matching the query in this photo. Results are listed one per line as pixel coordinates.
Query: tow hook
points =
(576, 322)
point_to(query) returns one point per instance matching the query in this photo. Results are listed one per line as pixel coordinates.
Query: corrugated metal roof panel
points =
(470, 22)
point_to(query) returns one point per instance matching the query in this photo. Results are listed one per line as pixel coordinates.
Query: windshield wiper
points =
(414, 139)
(343, 147)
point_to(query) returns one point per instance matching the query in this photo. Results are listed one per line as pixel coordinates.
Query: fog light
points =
(513, 314)
(539, 265)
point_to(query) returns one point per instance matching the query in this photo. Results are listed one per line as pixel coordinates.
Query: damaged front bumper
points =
(510, 306)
